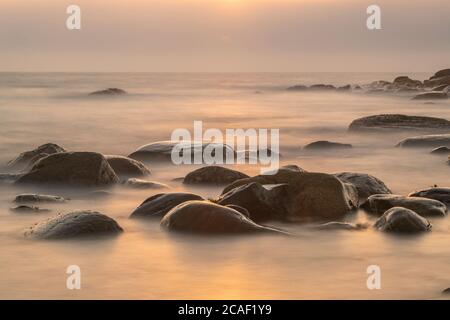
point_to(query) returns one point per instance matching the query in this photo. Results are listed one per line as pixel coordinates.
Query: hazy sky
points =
(224, 35)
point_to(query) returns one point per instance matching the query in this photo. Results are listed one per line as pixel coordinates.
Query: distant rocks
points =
(298, 87)
(71, 169)
(379, 203)
(426, 141)
(366, 184)
(213, 175)
(440, 150)
(203, 217)
(160, 204)
(433, 95)
(73, 225)
(33, 198)
(406, 81)
(326, 145)
(441, 77)
(439, 194)
(127, 167)
(443, 88)
(402, 220)
(28, 158)
(144, 184)
(398, 122)
(109, 92)
(320, 87)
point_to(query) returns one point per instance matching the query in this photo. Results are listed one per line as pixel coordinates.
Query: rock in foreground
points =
(402, 220)
(127, 167)
(426, 141)
(71, 169)
(158, 205)
(73, 225)
(213, 175)
(30, 157)
(398, 122)
(379, 203)
(366, 184)
(203, 217)
(439, 194)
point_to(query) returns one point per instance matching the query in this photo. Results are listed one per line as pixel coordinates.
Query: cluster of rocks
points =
(322, 87)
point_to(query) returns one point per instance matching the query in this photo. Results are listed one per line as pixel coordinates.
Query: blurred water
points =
(145, 262)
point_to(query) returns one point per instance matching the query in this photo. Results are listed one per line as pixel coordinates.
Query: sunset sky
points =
(224, 35)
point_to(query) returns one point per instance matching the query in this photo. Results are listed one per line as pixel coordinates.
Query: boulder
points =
(71, 169)
(158, 205)
(322, 87)
(426, 141)
(439, 194)
(33, 198)
(162, 150)
(286, 168)
(298, 87)
(28, 209)
(73, 225)
(433, 95)
(30, 157)
(402, 220)
(261, 203)
(441, 73)
(144, 184)
(443, 88)
(398, 121)
(437, 81)
(344, 88)
(326, 145)
(213, 175)
(379, 203)
(366, 184)
(204, 217)
(446, 291)
(127, 167)
(109, 92)
(239, 209)
(305, 196)
(406, 81)
(440, 150)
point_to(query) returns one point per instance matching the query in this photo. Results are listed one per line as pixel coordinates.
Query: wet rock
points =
(71, 169)
(28, 209)
(398, 121)
(239, 209)
(213, 175)
(298, 88)
(344, 88)
(326, 145)
(109, 92)
(379, 203)
(340, 226)
(144, 184)
(446, 291)
(439, 194)
(162, 150)
(441, 73)
(443, 88)
(127, 167)
(33, 198)
(440, 150)
(30, 157)
(406, 81)
(322, 87)
(445, 80)
(402, 220)
(262, 204)
(73, 225)
(289, 167)
(158, 205)
(366, 184)
(426, 141)
(203, 217)
(433, 95)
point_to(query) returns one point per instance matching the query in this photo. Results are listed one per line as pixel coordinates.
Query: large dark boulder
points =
(126, 167)
(71, 169)
(439, 194)
(204, 217)
(406, 81)
(366, 184)
(398, 122)
(30, 157)
(402, 220)
(159, 204)
(73, 225)
(326, 145)
(426, 141)
(379, 203)
(441, 73)
(213, 175)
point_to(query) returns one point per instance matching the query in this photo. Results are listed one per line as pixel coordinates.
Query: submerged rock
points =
(158, 205)
(30, 157)
(366, 184)
(127, 167)
(440, 150)
(108, 92)
(204, 217)
(71, 169)
(426, 141)
(298, 87)
(379, 203)
(336, 225)
(28, 209)
(402, 220)
(439, 194)
(398, 122)
(433, 95)
(74, 224)
(213, 175)
(144, 184)
(326, 145)
(31, 198)
(162, 150)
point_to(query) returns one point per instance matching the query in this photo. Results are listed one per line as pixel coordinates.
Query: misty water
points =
(145, 262)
